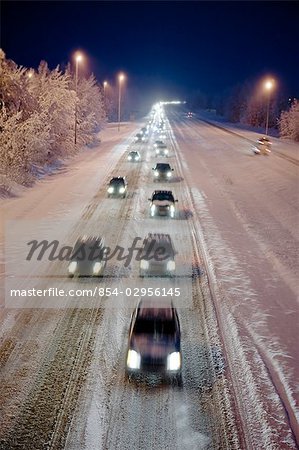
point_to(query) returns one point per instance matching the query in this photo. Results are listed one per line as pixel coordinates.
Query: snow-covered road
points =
(63, 370)
(247, 211)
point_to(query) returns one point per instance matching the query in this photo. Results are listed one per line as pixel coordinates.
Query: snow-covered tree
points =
(22, 144)
(56, 102)
(91, 110)
(37, 116)
(289, 122)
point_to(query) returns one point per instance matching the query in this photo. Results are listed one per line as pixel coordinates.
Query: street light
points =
(105, 84)
(268, 85)
(121, 77)
(78, 59)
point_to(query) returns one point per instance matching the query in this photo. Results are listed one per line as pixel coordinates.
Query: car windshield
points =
(117, 181)
(89, 250)
(163, 167)
(158, 251)
(163, 196)
(154, 325)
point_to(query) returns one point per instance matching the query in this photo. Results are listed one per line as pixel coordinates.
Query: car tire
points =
(179, 380)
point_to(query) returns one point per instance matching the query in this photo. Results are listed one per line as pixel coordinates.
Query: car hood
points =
(162, 203)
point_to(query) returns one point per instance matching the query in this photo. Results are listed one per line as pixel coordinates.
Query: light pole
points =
(120, 79)
(268, 86)
(105, 84)
(78, 59)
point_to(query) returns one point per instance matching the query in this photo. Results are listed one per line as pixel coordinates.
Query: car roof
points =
(162, 192)
(156, 303)
(118, 179)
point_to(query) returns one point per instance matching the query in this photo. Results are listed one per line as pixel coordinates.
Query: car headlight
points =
(169, 174)
(156, 173)
(129, 158)
(166, 152)
(97, 267)
(174, 361)
(133, 359)
(153, 209)
(144, 265)
(110, 190)
(137, 158)
(121, 190)
(72, 267)
(170, 265)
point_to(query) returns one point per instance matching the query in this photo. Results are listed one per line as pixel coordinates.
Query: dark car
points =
(162, 171)
(157, 256)
(158, 142)
(138, 137)
(162, 150)
(162, 203)
(88, 257)
(117, 187)
(263, 146)
(154, 346)
(134, 156)
(144, 131)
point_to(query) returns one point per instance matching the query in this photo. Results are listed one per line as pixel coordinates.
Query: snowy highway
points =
(63, 380)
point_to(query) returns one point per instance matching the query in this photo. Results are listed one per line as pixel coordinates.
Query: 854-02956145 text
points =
(98, 291)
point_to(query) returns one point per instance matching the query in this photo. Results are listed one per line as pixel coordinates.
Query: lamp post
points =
(269, 84)
(120, 79)
(78, 59)
(105, 84)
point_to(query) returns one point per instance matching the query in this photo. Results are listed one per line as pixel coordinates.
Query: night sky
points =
(167, 48)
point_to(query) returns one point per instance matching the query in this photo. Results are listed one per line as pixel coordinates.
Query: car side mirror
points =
(149, 199)
(176, 200)
(172, 169)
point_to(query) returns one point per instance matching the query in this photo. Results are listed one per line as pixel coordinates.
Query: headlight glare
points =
(72, 267)
(97, 267)
(170, 265)
(144, 265)
(133, 360)
(174, 361)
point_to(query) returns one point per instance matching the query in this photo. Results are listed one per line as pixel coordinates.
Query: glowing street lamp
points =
(105, 84)
(78, 59)
(121, 77)
(268, 85)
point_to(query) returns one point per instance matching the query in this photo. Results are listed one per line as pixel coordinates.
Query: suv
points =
(162, 171)
(134, 156)
(88, 257)
(157, 257)
(154, 345)
(162, 203)
(161, 150)
(117, 187)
